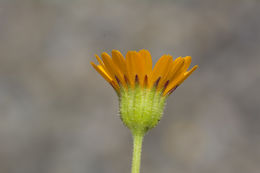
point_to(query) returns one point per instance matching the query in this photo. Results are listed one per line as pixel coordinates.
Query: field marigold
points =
(142, 90)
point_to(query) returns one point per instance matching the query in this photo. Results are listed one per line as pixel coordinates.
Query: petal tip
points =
(115, 51)
(93, 64)
(195, 67)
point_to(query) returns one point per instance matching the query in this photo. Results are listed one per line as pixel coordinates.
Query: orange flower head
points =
(142, 89)
(136, 69)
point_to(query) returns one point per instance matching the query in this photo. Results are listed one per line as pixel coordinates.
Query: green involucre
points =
(141, 108)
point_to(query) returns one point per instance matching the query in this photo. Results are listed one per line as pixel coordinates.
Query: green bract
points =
(141, 108)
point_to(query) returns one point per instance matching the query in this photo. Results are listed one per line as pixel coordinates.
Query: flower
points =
(136, 68)
(142, 90)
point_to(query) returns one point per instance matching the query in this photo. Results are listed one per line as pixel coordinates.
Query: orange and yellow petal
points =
(106, 76)
(119, 61)
(176, 82)
(148, 63)
(161, 69)
(134, 67)
(112, 69)
(187, 74)
(102, 72)
(177, 65)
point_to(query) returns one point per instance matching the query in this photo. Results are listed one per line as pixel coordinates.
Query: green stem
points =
(137, 144)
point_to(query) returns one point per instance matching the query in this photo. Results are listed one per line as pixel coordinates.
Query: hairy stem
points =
(137, 149)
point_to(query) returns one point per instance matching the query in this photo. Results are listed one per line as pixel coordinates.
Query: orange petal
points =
(181, 69)
(148, 63)
(130, 67)
(161, 68)
(179, 80)
(187, 74)
(119, 60)
(102, 72)
(101, 63)
(112, 68)
(165, 77)
(99, 60)
(187, 63)
(106, 76)
(176, 68)
(184, 67)
(134, 66)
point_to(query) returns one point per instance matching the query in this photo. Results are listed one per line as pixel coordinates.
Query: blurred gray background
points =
(57, 115)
